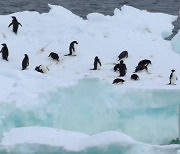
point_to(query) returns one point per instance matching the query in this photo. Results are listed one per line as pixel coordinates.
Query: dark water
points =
(84, 7)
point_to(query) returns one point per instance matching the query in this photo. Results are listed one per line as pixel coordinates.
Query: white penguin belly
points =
(44, 69)
(98, 66)
(173, 79)
(75, 49)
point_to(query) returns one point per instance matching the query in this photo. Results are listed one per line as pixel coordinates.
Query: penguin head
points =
(36, 68)
(173, 70)
(25, 55)
(75, 42)
(14, 18)
(121, 62)
(3, 44)
(50, 54)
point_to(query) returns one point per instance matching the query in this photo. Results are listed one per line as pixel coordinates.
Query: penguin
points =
(15, 24)
(122, 55)
(141, 68)
(145, 62)
(5, 52)
(116, 67)
(54, 56)
(72, 49)
(42, 69)
(122, 68)
(118, 81)
(173, 77)
(97, 63)
(134, 77)
(37, 68)
(25, 62)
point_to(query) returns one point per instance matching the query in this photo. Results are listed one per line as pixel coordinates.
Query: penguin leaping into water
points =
(72, 49)
(173, 77)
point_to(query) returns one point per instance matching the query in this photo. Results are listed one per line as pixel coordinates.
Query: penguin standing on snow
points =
(5, 52)
(15, 24)
(72, 49)
(122, 68)
(97, 63)
(25, 62)
(173, 77)
(54, 56)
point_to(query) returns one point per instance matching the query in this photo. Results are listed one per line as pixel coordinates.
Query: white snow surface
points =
(69, 140)
(74, 141)
(104, 36)
(139, 32)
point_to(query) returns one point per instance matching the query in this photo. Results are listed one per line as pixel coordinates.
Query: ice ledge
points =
(75, 141)
(68, 139)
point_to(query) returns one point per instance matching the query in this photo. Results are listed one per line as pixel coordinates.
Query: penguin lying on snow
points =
(5, 52)
(118, 81)
(42, 69)
(173, 77)
(123, 55)
(72, 49)
(54, 56)
(97, 63)
(134, 77)
(25, 62)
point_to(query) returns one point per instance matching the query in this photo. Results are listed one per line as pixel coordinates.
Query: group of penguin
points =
(25, 61)
(121, 67)
(4, 50)
(142, 65)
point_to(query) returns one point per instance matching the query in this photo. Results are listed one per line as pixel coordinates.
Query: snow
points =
(175, 43)
(72, 141)
(43, 99)
(67, 139)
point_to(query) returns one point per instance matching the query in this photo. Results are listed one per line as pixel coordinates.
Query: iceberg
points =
(72, 109)
(175, 43)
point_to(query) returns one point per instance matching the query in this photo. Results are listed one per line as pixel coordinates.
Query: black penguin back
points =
(25, 62)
